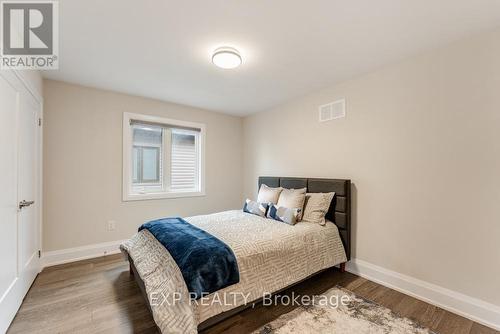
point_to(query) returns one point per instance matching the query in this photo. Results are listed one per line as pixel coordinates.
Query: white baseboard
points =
(469, 307)
(67, 255)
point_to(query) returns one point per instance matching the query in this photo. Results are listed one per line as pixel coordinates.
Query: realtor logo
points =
(29, 34)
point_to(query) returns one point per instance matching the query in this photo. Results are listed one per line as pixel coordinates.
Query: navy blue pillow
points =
(282, 214)
(255, 208)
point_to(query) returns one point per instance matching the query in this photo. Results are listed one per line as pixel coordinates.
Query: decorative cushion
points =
(282, 214)
(316, 206)
(268, 194)
(255, 208)
(293, 199)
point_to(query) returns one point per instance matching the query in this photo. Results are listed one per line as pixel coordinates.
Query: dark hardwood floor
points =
(99, 296)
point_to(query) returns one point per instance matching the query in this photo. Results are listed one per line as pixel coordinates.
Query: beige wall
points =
(83, 165)
(421, 143)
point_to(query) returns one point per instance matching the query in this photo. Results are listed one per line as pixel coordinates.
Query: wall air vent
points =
(333, 110)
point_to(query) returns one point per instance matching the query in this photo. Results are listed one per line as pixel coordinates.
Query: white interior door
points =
(8, 200)
(28, 220)
(20, 157)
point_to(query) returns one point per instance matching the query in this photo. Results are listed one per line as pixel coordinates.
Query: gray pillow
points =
(282, 214)
(255, 208)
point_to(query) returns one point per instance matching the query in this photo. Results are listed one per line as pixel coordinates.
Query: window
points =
(162, 158)
(146, 155)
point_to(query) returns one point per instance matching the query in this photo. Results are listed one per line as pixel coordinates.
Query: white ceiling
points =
(162, 49)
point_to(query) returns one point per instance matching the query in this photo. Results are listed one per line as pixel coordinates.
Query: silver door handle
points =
(24, 203)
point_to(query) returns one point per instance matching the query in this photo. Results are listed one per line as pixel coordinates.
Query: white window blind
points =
(184, 170)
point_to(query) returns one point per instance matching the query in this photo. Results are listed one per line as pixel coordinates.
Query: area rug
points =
(340, 311)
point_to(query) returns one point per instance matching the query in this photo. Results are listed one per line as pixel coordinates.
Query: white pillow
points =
(293, 199)
(268, 194)
(316, 207)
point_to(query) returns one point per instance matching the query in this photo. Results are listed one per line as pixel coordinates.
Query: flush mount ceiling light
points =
(226, 57)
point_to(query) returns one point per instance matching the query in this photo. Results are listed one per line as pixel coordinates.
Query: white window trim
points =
(127, 157)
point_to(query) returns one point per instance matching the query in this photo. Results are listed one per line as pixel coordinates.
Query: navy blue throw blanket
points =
(206, 263)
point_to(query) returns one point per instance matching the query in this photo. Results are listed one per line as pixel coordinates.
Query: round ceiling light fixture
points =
(226, 58)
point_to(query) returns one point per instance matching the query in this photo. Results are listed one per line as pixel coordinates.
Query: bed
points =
(271, 256)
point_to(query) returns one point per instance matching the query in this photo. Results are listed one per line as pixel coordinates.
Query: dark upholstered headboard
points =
(340, 209)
